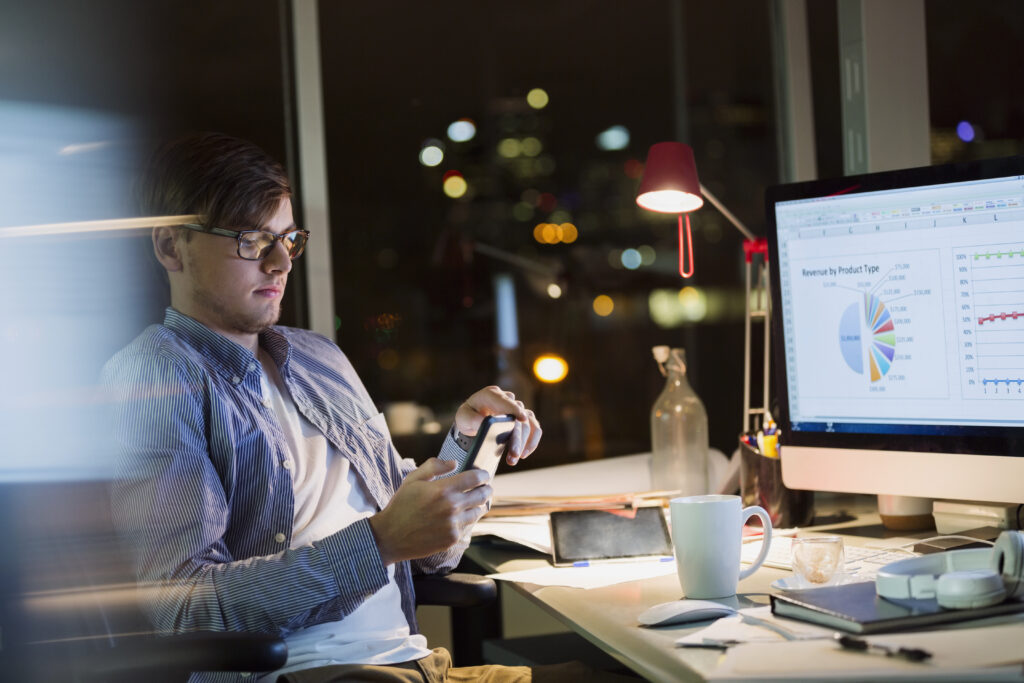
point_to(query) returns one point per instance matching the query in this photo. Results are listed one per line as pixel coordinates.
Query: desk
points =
(607, 616)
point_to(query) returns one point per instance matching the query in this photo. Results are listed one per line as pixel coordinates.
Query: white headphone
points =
(960, 579)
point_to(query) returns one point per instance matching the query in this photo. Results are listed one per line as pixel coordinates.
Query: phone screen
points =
(490, 444)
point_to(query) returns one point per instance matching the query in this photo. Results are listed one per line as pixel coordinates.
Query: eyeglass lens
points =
(254, 245)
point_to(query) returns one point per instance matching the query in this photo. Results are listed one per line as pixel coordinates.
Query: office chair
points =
(475, 614)
(119, 648)
(69, 611)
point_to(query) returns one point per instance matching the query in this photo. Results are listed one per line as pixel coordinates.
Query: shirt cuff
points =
(355, 558)
(451, 450)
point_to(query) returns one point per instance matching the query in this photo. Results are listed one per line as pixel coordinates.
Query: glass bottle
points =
(679, 430)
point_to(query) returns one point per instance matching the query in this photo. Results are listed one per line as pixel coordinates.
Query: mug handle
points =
(767, 522)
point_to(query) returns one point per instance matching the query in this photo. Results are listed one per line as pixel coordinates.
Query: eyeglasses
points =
(254, 245)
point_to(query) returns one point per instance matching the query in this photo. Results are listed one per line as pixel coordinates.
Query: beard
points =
(236, 318)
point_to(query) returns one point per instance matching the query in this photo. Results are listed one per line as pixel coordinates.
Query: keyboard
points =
(859, 560)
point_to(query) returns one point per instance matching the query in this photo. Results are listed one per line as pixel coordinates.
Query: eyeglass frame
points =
(237, 234)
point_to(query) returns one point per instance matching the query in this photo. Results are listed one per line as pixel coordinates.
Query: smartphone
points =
(491, 443)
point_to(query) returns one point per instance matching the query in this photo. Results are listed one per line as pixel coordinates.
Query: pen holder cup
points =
(761, 484)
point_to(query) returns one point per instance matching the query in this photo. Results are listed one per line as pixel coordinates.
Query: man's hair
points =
(231, 183)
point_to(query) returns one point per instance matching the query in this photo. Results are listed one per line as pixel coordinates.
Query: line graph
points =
(992, 317)
(990, 283)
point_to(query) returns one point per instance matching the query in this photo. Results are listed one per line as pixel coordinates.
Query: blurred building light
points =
(554, 291)
(455, 185)
(603, 305)
(965, 131)
(387, 359)
(462, 130)
(510, 148)
(550, 233)
(614, 138)
(531, 146)
(615, 259)
(673, 308)
(547, 202)
(694, 302)
(550, 368)
(647, 254)
(431, 155)
(664, 308)
(522, 211)
(560, 216)
(569, 233)
(537, 98)
(631, 259)
(633, 169)
(545, 165)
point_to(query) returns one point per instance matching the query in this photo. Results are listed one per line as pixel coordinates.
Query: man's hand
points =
(427, 515)
(494, 401)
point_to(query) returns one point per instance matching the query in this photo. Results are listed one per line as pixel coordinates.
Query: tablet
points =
(583, 536)
(490, 444)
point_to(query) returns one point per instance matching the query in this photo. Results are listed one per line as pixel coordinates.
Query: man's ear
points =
(165, 246)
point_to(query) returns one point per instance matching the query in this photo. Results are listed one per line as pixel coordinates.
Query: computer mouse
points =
(683, 611)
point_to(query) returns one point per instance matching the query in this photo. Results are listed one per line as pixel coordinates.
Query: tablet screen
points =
(584, 535)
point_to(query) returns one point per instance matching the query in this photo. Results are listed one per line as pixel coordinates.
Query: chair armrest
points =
(127, 658)
(454, 590)
(201, 651)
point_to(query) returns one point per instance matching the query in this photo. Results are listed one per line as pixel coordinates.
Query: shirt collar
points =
(234, 359)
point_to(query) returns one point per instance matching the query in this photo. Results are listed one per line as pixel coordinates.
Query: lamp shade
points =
(670, 183)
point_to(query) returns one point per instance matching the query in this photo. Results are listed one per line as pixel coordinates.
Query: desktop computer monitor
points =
(898, 312)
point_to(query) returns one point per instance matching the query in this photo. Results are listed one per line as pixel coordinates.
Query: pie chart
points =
(879, 349)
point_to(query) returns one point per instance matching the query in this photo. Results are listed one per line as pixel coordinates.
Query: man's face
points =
(230, 295)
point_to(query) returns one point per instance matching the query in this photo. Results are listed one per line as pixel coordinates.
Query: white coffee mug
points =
(707, 532)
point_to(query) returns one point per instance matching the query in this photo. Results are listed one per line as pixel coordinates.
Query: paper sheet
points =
(532, 531)
(594, 576)
(620, 474)
(957, 654)
(735, 628)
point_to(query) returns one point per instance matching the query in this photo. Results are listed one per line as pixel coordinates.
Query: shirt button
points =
(252, 366)
(266, 403)
(287, 464)
(279, 537)
(236, 379)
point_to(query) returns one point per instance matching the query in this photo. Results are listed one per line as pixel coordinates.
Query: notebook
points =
(854, 607)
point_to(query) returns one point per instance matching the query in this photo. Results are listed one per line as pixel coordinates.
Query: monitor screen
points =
(898, 307)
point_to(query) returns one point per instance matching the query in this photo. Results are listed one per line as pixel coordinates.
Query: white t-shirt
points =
(329, 495)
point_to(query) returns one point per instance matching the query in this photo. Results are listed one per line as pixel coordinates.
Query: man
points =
(259, 486)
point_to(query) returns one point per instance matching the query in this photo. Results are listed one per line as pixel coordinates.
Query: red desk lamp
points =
(670, 185)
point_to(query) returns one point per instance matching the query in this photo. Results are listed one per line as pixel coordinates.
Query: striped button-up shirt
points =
(204, 498)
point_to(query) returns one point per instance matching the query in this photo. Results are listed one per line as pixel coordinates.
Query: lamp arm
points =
(725, 212)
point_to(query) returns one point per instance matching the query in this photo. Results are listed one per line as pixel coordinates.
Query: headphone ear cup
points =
(1008, 560)
(969, 588)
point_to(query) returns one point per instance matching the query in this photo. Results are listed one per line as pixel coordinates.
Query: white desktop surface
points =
(607, 617)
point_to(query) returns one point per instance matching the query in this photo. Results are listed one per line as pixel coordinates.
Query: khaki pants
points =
(437, 668)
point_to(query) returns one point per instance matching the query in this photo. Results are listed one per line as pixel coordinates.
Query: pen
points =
(913, 654)
(711, 644)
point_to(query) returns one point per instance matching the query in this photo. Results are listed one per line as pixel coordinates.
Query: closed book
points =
(856, 608)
